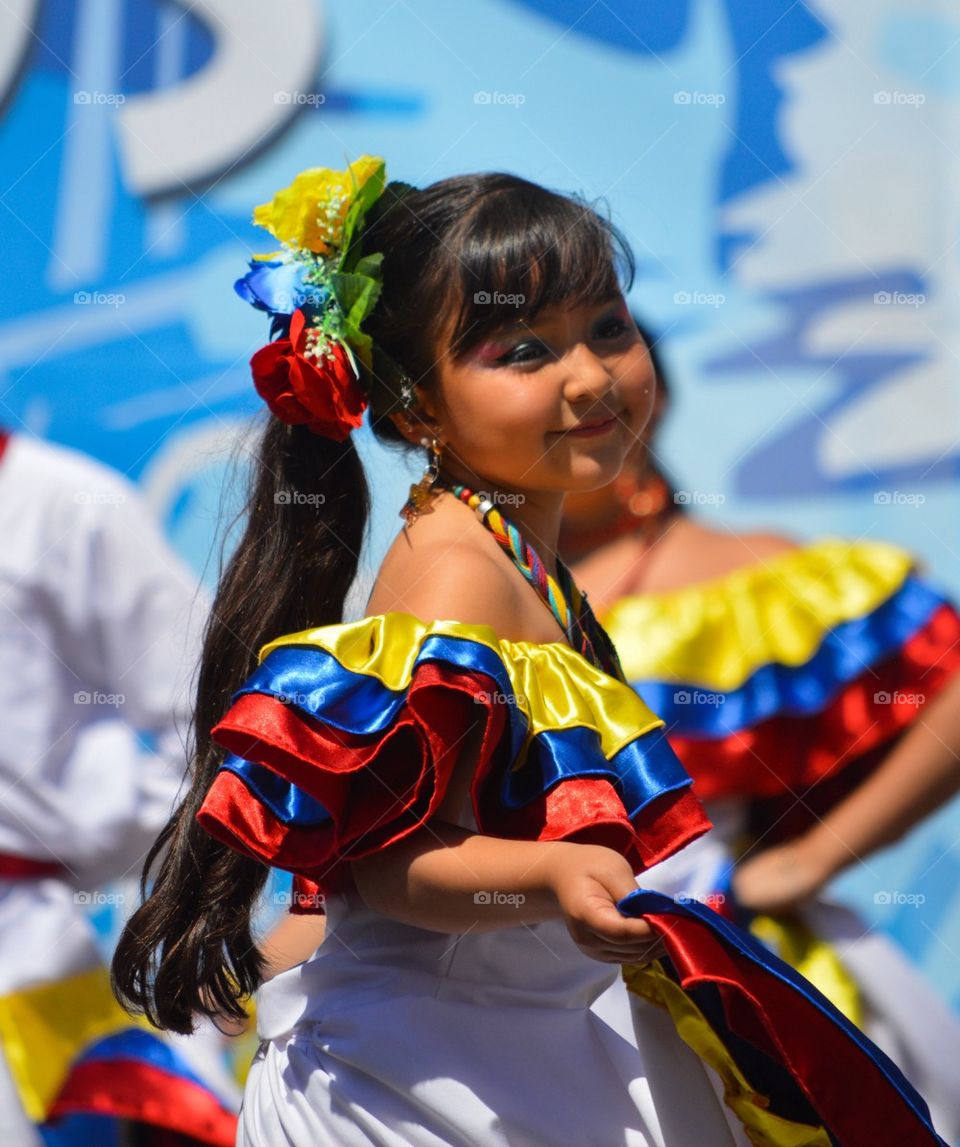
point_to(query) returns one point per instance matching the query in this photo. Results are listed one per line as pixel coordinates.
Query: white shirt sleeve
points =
(131, 617)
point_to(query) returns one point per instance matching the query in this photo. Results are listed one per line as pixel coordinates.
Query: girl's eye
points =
(518, 355)
(614, 328)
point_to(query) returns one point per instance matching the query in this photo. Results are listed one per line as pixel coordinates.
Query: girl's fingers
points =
(616, 956)
(604, 914)
(636, 941)
(621, 930)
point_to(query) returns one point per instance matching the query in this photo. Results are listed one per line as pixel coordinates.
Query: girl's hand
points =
(777, 879)
(587, 881)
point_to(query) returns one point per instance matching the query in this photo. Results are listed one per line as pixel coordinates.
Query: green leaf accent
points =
(361, 344)
(369, 265)
(365, 198)
(356, 294)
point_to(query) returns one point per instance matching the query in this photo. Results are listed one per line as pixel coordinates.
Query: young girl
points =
(462, 778)
(812, 691)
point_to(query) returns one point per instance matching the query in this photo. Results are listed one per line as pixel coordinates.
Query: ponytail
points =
(189, 948)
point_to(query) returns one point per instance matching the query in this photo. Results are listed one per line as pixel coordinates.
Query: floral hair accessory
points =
(318, 288)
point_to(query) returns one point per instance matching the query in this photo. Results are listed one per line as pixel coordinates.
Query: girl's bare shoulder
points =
(442, 567)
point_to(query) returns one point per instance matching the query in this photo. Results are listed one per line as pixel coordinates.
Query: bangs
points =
(522, 249)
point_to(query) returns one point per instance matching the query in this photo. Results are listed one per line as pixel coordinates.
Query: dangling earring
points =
(644, 505)
(408, 397)
(422, 491)
(643, 499)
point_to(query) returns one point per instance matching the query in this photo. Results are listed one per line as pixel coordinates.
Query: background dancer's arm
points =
(919, 775)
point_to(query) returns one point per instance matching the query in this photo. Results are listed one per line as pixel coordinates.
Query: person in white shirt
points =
(100, 625)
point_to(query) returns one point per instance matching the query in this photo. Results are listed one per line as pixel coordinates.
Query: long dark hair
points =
(462, 258)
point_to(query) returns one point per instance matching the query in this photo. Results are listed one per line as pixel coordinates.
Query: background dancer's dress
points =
(782, 684)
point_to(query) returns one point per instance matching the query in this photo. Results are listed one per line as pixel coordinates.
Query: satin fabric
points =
(804, 664)
(811, 665)
(70, 1048)
(345, 738)
(715, 634)
(759, 1021)
(778, 688)
(364, 718)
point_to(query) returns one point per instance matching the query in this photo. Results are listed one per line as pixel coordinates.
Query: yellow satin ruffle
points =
(554, 685)
(43, 1028)
(814, 959)
(717, 633)
(763, 1127)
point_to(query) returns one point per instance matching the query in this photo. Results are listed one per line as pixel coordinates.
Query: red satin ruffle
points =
(761, 1009)
(789, 754)
(128, 1089)
(380, 788)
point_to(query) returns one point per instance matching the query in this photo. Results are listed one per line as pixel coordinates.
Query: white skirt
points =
(397, 1036)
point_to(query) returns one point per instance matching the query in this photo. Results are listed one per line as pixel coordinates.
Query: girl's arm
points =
(921, 773)
(447, 879)
(292, 941)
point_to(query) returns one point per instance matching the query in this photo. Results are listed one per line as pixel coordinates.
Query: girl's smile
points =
(592, 427)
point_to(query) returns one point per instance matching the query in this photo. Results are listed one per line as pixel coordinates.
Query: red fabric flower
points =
(324, 395)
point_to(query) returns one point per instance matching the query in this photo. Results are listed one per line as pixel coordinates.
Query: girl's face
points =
(554, 405)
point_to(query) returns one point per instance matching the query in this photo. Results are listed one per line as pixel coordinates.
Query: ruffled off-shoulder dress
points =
(344, 740)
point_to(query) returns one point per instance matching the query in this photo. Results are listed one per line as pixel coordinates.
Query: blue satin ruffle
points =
(846, 652)
(288, 803)
(314, 682)
(140, 1045)
(647, 902)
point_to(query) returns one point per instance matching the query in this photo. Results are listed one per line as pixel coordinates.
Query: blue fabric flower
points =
(279, 288)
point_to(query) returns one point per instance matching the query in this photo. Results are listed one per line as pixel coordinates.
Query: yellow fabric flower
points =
(310, 212)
